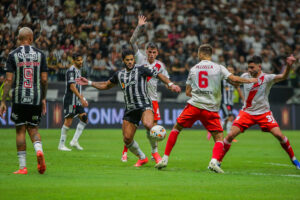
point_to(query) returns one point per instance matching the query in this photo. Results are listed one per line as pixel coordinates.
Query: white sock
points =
(135, 149)
(22, 159)
(63, 136)
(38, 146)
(229, 125)
(78, 131)
(153, 143)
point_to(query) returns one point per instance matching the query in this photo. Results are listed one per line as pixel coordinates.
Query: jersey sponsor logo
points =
(27, 100)
(32, 56)
(22, 64)
(129, 84)
(122, 85)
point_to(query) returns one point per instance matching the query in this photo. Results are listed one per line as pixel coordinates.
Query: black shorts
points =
(227, 110)
(72, 110)
(26, 114)
(135, 116)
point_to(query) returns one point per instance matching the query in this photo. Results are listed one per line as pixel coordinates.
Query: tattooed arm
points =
(141, 22)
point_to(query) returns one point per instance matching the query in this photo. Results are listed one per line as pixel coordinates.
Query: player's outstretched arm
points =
(172, 86)
(240, 80)
(141, 22)
(99, 85)
(289, 62)
(7, 86)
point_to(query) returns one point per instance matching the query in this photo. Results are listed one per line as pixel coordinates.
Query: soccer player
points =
(204, 87)
(256, 109)
(150, 62)
(133, 80)
(26, 72)
(74, 104)
(227, 102)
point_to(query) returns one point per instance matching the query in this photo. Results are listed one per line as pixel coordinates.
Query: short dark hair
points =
(255, 59)
(75, 56)
(205, 49)
(127, 52)
(152, 45)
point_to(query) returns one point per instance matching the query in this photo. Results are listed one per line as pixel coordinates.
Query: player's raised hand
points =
(2, 109)
(290, 60)
(84, 102)
(142, 20)
(175, 88)
(82, 81)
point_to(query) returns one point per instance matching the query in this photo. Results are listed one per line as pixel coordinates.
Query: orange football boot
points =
(21, 171)
(141, 162)
(41, 162)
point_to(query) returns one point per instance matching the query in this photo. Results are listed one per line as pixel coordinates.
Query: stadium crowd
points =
(99, 30)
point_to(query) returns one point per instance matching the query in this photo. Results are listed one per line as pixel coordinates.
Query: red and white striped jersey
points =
(256, 94)
(205, 80)
(157, 65)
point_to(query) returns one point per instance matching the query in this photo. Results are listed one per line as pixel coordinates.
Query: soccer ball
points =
(158, 132)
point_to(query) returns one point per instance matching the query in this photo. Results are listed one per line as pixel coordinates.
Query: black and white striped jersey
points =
(71, 74)
(27, 63)
(227, 93)
(134, 86)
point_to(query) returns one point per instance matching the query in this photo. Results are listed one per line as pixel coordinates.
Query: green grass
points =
(255, 168)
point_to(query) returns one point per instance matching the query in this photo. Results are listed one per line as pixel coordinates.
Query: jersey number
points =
(28, 77)
(270, 118)
(203, 81)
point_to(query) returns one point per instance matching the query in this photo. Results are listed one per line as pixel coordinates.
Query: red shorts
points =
(266, 121)
(190, 114)
(156, 110)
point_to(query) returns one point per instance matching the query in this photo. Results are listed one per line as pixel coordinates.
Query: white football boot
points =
(162, 164)
(214, 165)
(76, 145)
(63, 148)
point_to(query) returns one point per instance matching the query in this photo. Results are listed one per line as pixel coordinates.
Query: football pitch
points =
(256, 167)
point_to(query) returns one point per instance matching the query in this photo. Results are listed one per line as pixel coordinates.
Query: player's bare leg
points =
(21, 149)
(170, 144)
(285, 144)
(81, 125)
(129, 130)
(229, 123)
(148, 122)
(214, 164)
(37, 144)
(63, 136)
(234, 132)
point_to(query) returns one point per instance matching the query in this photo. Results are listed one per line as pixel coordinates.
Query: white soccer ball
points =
(158, 132)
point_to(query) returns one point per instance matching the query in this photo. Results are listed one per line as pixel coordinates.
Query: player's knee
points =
(148, 125)
(127, 140)
(84, 119)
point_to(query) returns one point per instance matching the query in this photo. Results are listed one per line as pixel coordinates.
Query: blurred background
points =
(98, 30)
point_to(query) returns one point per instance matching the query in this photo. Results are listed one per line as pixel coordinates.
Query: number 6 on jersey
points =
(203, 81)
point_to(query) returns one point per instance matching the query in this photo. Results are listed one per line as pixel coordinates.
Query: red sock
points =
(287, 147)
(218, 150)
(171, 141)
(226, 148)
(125, 150)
